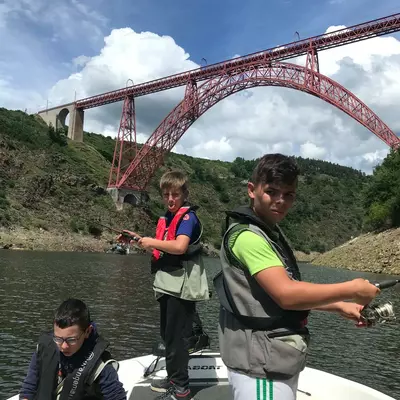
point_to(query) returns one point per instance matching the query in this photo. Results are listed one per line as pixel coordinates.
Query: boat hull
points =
(209, 381)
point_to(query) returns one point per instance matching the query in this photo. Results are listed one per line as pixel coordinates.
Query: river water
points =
(118, 290)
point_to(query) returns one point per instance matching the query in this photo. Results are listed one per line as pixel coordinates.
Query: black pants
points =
(197, 324)
(176, 318)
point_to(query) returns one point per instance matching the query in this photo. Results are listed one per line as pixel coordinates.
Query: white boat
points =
(209, 380)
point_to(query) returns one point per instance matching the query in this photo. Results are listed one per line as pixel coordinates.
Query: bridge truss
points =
(206, 86)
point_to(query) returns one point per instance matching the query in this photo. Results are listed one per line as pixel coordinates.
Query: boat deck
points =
(218, 392)
(207, 373)
(209, 381)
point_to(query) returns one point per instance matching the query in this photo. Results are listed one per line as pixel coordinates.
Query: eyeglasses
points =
(70, 340)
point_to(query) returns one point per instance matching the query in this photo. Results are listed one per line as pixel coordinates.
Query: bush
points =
(378, 216)
(40, 223)
(318, 247)
(76, 225)
(95, 230)
(224, 197)
(4, 203)
(58, 136)
(5, 218)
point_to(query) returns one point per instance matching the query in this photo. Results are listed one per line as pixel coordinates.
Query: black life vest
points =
(76, 385)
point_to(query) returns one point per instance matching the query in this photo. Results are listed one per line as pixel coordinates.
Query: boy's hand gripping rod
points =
(376, 313)
(129, 236)
(121, 232)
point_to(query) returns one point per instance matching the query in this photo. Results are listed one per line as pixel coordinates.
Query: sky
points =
(54, 50)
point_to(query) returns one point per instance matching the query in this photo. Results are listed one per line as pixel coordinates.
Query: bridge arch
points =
(198, 100)
(57, 117)
(62, 118)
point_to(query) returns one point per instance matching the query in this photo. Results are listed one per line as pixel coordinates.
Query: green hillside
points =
(49, 182)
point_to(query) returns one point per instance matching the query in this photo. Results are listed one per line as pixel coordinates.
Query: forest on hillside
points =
(52, 183)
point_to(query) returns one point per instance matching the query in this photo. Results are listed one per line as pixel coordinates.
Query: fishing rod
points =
(379, 313)
(387, 284)
(121, 232)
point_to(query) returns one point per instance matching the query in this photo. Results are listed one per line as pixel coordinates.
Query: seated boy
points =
(72, 362)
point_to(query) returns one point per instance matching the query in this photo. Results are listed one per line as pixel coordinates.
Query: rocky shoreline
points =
(42, 240)
(372, 252)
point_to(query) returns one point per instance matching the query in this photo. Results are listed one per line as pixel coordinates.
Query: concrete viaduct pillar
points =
(130, 196)
(56, 116)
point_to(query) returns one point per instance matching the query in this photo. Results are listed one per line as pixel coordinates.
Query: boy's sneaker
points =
(176, 393)
(161, 385)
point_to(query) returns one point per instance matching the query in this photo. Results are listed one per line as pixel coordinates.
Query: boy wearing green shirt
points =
(264, 304)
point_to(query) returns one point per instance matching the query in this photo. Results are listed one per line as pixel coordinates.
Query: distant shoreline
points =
(42, 240)
(377, 253)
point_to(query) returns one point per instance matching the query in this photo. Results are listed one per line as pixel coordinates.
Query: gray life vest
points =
(257, 337)
(183, 276)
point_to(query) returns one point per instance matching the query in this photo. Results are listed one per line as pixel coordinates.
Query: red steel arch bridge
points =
(133, 168)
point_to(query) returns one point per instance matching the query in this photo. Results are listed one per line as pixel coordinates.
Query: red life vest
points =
(164, 232)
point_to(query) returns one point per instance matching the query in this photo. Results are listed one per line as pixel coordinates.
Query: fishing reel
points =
(378, 314)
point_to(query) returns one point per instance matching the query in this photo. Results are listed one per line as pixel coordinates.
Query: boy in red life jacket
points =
(180, 280)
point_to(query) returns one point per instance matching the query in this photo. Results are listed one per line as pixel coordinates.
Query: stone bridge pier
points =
(56, 116)
(130, 196)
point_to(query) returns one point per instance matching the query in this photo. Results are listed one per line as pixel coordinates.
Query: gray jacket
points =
(188, 283)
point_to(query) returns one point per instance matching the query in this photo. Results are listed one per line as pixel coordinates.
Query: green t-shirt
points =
(253, 251)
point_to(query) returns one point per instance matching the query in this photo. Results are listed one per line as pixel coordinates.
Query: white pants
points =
(247, 388)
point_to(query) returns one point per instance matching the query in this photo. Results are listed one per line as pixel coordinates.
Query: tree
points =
(381, 196)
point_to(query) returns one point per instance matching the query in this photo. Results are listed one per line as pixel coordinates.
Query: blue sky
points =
(219, 29)
(215, 30)
(42, 40)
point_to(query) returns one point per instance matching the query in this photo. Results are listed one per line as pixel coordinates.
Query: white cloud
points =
(4, 10)
(18, 98)
(80, 61)
(248, 123)
(269, 119)
(310, 150)
(219, 148)
(37, 36)
(66, 17)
